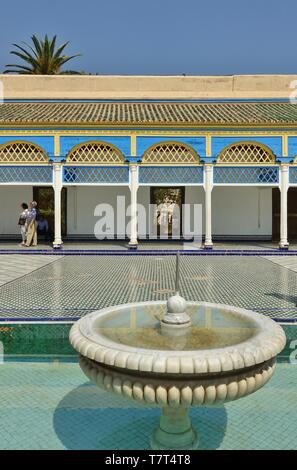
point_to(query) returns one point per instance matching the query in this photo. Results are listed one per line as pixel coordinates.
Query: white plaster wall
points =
(195, 195)
(236, 211)
(143, 198)
(11, 198)
(242, 211)
(81, 202)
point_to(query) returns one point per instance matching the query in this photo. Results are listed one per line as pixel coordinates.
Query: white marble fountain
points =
(177, 354)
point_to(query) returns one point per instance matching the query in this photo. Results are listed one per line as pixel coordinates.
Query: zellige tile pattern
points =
(75, 285)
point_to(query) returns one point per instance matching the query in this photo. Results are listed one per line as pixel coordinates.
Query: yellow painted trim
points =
(56, 145)
(208, 145)
(160, 124)
(139, 133)
(133, 145)
(284, 145)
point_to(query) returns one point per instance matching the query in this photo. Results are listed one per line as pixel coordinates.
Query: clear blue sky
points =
(162, 37)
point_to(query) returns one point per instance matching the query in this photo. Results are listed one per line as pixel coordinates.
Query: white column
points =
(133, 189)
(208, 185)
(57, 184)
(284, 186)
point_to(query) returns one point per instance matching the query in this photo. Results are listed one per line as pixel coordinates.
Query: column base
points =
(133, 245)
(57, 245)
(283, 246)
(175, 431)
(208, 246)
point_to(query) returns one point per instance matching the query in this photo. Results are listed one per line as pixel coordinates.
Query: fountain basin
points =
(226, 354)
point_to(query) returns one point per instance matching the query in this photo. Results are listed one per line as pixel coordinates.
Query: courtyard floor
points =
(57, 287)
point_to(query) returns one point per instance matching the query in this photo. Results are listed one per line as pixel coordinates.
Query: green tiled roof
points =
(200, 114)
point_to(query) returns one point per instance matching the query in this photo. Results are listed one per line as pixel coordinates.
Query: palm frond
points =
(42, 57)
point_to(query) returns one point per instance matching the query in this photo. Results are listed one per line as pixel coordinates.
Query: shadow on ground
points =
(287, 298)
(80, 423)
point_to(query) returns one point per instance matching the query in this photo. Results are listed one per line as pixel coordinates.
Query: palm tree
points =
(41, 59)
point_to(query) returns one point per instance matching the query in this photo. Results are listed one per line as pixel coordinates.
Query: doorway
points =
(167, 217)
(292, 214)
(44, 196)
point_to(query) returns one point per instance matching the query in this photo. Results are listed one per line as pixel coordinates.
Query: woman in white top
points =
(22, 222)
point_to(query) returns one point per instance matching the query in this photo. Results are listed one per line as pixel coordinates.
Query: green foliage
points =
(41, 58)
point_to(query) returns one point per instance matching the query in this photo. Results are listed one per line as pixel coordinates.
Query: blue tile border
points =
(169, 252)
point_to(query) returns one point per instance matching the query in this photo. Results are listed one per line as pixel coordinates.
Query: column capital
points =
(284, 167)
(133, 166)
(208, 177)
(208, 166)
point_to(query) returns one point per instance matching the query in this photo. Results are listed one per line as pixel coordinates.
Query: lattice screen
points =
(95, 152)
(171, 175)
(22, 152)
(246, 153)
(245, 175)
(96, 174)
(26, 174)
(293, 174)
(170, 153)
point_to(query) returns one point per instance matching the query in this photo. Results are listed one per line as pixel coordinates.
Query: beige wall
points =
(145, 87)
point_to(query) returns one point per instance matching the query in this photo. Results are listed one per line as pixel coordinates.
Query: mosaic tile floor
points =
(51, 405)
(288, 262)
(13, 266)
(71, 286)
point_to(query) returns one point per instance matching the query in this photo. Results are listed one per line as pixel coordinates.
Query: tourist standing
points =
(43, 227)
(22, 222)
(31, 224)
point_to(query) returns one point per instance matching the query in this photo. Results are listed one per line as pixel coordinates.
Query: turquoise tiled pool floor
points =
(72, 286)
(51, 405)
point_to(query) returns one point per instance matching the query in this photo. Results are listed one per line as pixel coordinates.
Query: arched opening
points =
(170, 152)
(246, 152)
(22, 152)
(95, 152)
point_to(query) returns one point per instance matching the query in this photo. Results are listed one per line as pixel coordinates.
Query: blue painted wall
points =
(144, 142)
(45, 142)
(292, 146)
(273, 142)
(121, 142)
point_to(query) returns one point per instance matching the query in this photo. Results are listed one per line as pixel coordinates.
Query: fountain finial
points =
(176, 316)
